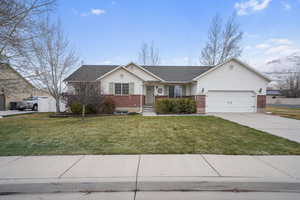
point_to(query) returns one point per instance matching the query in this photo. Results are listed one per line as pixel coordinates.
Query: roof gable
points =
(233, 60)
(141, 71)
(16, 73)
(119, 68)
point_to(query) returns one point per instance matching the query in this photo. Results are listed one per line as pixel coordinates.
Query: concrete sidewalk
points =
(37, 174)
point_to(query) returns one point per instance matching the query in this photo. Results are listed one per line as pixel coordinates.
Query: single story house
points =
(229, 87)
(14, 87)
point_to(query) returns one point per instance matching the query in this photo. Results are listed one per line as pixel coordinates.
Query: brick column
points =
(200, 101)
(261, 103)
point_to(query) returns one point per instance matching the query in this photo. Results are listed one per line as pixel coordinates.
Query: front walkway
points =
(280, 126)
(148, 172)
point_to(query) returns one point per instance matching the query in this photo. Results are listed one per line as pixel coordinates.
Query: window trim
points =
(121, 94)
(174, 95)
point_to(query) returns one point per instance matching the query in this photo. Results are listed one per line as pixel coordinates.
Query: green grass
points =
(293, 113)
(37, 134)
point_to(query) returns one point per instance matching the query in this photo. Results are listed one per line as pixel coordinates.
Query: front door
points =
(149, 95)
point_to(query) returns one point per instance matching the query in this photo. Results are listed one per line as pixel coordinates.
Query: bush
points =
(108, 106)
(91, 109)
(175, 106)
(76, 108)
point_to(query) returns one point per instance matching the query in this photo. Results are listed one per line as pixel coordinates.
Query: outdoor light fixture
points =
(202, 90)
(260, 90)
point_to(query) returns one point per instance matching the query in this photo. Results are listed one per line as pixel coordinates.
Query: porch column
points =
(200, 102)
(261, 103)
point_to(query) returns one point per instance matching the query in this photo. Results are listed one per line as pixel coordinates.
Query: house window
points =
(122, 88)
(175, 91)
(178, 91)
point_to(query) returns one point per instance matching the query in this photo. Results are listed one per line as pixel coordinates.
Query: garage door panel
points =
(228, 101)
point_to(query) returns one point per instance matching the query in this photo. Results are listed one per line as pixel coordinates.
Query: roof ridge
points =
(177, 65)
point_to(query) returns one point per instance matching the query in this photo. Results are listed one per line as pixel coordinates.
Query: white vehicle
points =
(29, 103)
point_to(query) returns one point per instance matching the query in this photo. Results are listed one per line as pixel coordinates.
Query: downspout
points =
(141, 98)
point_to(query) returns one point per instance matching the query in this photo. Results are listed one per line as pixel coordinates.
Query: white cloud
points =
(286, 5)
(246, 7)
(262, 46)
(97, 11)
(282, 49)
(281, 41)
(93, 12)
(264, 53)
(107, 62)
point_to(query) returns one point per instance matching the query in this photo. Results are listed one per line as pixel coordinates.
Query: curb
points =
(149, 184)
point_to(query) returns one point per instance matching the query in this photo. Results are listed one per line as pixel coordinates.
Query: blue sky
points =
(112, 31)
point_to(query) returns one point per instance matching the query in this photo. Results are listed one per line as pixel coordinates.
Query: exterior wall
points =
(14, 87)
(122, 76)
(194, 89)
(160, 97)
(261, 103)
(188, 90)
(139, 72)
(201, 103)
(128, 101)
(232, 76)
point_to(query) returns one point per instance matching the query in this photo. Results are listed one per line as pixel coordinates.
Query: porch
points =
(154, 92)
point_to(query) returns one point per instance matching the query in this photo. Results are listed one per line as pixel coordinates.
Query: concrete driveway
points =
(280, 126)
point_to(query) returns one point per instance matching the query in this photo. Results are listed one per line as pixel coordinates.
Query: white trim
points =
(145, 70)
(121, 89)
(118, 68)
(235, 60)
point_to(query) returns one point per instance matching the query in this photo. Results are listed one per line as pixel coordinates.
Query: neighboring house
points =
(230, 87)
(14, 87)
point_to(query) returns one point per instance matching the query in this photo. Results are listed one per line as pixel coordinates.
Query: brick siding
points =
(128, 100)
(200, 101)
(261, 103)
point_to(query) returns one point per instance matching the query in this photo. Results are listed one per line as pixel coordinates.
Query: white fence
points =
(283, 100)
(49, 105)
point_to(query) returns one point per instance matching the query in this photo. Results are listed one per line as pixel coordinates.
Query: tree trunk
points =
(83, 111)
(57, 104)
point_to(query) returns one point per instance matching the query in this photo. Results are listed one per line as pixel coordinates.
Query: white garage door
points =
(228, 101)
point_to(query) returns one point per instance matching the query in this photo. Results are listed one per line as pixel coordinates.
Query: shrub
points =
(175, 106)
(76, 108)
(108, 106)
(91, 109)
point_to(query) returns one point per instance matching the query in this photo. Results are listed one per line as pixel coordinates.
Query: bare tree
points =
(86, 93)
(292, 81)
(19, 20)
(223, 41)
(149, 54)
(51, 59)
(290, 72)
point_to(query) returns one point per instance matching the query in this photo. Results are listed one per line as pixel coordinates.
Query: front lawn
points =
(293, 113)
(37, 134)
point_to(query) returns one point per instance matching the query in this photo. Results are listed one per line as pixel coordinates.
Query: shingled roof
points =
(90, 72)
(167, 73)
(177, 73)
